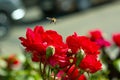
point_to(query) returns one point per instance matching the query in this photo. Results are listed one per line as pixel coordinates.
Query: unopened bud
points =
(50, 51)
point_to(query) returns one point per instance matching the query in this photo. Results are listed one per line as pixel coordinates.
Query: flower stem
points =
(48, 72)
(54, 77)
(40, 64)
(40, 68)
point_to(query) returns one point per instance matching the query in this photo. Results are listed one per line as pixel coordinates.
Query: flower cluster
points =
(66, 60)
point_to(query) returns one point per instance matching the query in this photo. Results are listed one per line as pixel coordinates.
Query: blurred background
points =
(72, 16)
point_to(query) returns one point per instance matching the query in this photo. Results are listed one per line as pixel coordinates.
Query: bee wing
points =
(48, 18)
(58, 20)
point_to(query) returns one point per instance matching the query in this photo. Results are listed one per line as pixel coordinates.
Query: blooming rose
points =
(34, 43)
(38, 40)
(116, 39)
(75, 43)
(59, 57)
(96, 36)
(90, 64)
(88, 46)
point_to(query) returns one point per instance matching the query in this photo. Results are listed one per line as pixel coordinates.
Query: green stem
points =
(48, 72)
(44, 72)
(40, 67)
(41, 72)
(54, 77)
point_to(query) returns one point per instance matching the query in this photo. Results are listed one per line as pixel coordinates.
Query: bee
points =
(52, 20)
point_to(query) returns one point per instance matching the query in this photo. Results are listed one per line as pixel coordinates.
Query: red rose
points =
(116, 39)
(52, 37)
(38, 40)
(73, 43)
(88, 46)
(32, 40)
(90, 64)
(59, 58)
(96, 36)
(34, 43)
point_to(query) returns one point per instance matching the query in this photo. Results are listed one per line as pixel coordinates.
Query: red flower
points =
(74, 74)
(52, 37)
(33, 40)
(38, 40)
(12, 61)
(73, 43)
(34, 43)
(90, 64)
(59, 58)
(116, 39)
(96, 36)
(48, 47)
(88, 46)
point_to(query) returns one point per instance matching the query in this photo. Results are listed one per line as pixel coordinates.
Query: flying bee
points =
(52, 20)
